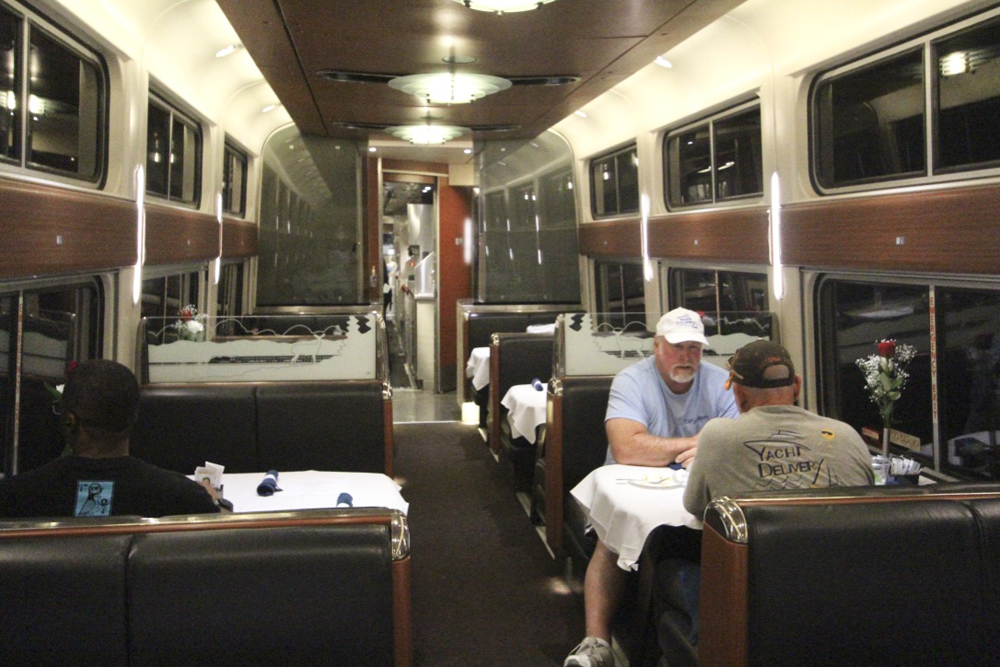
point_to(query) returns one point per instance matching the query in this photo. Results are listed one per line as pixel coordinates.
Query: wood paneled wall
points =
(48, 230)
(955, 230)
(732, 235)
(950, 231)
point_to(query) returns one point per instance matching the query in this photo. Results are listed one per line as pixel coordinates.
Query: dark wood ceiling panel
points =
(601, 41)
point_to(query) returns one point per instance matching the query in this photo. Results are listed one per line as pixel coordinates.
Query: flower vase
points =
(885, 442)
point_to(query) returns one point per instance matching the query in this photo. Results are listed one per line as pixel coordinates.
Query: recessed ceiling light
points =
(581, 114)
(503, 6)
(663, 62)
(372, 149)
(270, 107)
(427, 134)
(467, 151)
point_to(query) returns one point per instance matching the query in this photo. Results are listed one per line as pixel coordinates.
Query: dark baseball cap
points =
(762, 364)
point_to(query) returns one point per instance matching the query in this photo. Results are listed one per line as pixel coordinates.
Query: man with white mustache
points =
(656, 409)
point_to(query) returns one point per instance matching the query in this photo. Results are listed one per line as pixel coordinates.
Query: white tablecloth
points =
(312, 489)
(542, 328)
(623, 514)
(525, 410)
(478, 367)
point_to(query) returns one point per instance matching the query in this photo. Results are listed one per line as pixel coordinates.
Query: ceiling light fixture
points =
(270, 107)
(450, 87)
(426, 134)
(663, 62)
(955, 63)
(503, 6)
(228, 49)
(581, 114)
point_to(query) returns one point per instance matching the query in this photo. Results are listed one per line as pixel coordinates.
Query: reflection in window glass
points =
(968, 68)
(58, 326)
(621, 297)
(164, 297)
(64, 108)
(10, 81)
(871, 122)
(234, 181)
(969, 378)
(690, 156)
(173, 154)
(310, 244)
(716, 161)
(157, 140)
(719, 291)
(184, 149)
(614, 183)
(230, 295)
(527, 240)
(737, 160)
(603, 178)
(854, 316)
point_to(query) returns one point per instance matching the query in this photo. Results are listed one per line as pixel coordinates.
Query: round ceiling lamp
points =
(426, 134)
(503, 6)
(449, 87)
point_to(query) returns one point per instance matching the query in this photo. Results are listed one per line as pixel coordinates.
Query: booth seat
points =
(515, 358)
(319, 587)
(575, 444)
(253, 427)
(852, 576)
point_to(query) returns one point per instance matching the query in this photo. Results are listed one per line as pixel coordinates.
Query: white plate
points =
(666, 482)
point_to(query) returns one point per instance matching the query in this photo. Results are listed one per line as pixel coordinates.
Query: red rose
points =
(887, 349)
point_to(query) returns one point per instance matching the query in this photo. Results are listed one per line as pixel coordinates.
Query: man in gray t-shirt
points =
(773, 444)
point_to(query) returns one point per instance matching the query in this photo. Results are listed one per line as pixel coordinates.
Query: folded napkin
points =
(269, 485)
(537, 384)
(345, 500)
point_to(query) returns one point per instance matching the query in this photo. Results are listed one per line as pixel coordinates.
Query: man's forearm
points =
(643, 449)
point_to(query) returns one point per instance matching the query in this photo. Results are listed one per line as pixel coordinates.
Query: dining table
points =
(525, 409)
(625, 503)
(312, 489)
(478, 367)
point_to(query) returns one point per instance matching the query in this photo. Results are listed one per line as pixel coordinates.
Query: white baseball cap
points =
(681, 325)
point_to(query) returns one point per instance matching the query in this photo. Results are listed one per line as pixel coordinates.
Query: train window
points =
(230, 294)
(558, 205)
(967, 136)
(719, 291)
(164, 296)
(621, 297)
(173, 154)
(872, 119)
(234, 180)
(522, 206)
(962, 386)
(10, 84)
(45, 329)
(716, 160)
(614, 183)
(61, 129)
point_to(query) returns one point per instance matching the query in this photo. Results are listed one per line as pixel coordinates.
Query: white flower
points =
(194, 327)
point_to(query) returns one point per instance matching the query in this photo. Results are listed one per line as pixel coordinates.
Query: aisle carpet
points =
(485, 590)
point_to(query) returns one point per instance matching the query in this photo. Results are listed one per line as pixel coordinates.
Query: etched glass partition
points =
(263, 348)
(589, 344)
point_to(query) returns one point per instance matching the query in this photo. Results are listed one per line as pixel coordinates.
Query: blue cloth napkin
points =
(676, 466)
(537, 384)
(345, 500)
(269, 485)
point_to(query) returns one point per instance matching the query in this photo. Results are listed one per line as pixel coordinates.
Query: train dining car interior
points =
(402, 247)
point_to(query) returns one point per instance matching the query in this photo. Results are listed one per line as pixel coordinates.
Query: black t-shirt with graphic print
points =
(76, 486)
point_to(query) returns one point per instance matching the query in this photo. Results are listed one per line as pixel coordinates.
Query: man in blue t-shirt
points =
(656, 409)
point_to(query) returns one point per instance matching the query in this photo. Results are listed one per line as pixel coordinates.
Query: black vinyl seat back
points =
(320, 596)
(867, 583)
(61, 600)
(321, 426)
(585, 441)
(182, 426)
(522, 358)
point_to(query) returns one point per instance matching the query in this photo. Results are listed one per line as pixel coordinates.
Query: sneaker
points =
(591, 652)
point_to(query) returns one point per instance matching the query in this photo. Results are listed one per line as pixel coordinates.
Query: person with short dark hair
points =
(99, 407)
